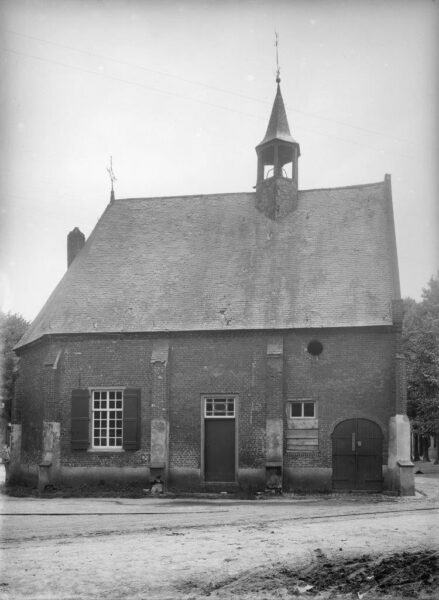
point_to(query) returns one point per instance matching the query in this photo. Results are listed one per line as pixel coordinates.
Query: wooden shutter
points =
(80, 419)
(131, 419)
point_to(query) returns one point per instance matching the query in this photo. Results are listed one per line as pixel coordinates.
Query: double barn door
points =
(357, 451)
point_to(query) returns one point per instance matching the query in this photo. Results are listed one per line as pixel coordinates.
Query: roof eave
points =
(266, 142)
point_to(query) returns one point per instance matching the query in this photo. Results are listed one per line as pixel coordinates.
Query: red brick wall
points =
(30, 394)
(84, 362)
(109, 361)
(221, 364)
(354, 376)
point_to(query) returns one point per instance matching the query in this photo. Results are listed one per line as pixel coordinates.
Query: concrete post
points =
(400, 466)
(274, 407)
(14, 467)
(48, 469)
(159, 411)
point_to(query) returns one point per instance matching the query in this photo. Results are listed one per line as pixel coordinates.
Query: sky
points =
(179, 93)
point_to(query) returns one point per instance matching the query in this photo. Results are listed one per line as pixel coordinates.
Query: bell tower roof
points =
(278, 128)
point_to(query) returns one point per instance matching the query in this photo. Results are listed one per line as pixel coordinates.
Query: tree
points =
(12, 327)
(421, 349)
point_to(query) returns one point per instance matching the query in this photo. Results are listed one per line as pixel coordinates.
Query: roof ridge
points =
(213, 194)
(344, 187)
(185, 196)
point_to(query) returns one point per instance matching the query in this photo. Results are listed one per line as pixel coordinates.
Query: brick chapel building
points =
(224, 341)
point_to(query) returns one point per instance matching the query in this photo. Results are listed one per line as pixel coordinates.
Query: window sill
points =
(106, 450)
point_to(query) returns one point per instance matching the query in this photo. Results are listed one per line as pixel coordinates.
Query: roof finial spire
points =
(276, 43)
(112, 178)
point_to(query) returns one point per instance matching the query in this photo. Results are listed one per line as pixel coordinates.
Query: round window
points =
(315, 347)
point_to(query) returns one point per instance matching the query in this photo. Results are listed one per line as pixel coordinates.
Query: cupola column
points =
(260, 175)
(277, 168)
(295, 169)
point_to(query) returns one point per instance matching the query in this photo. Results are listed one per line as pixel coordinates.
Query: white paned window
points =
(107, 418)
(302, 409)
(219, 406)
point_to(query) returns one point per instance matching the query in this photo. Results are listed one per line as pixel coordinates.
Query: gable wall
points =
(354, 376)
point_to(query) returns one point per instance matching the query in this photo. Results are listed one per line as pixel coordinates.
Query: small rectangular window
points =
(296, 409)
(303, 409)
(308, 409)
(217, 407)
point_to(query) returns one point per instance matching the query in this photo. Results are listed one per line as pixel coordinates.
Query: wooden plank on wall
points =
(302, 433)
(302, 442)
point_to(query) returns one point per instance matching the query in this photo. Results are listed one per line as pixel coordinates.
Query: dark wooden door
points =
(357, 450)
(219, 449)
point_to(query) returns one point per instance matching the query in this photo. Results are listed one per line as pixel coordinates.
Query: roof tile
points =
(216, 263)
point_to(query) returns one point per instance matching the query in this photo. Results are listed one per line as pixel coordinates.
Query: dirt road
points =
(158, 548)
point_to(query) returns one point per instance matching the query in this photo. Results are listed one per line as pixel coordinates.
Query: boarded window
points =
(302, 425)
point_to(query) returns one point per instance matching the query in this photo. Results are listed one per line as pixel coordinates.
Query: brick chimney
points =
(75, 241)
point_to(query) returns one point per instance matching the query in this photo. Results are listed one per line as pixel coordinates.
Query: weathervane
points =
(112, 178)
(276, 43)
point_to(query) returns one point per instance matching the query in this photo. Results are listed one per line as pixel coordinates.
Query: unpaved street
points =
(160, 548)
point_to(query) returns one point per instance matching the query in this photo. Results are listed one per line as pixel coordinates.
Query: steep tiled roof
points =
(216, 263)
(278, 128)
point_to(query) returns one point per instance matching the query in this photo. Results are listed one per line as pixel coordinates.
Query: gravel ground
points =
(159, 549)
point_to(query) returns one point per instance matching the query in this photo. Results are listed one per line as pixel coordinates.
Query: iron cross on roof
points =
(112, 178)
(276, 43)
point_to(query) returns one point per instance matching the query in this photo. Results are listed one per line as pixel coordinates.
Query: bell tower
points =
(278, 157)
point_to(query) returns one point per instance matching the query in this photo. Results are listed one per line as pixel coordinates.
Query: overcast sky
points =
(180, 93)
